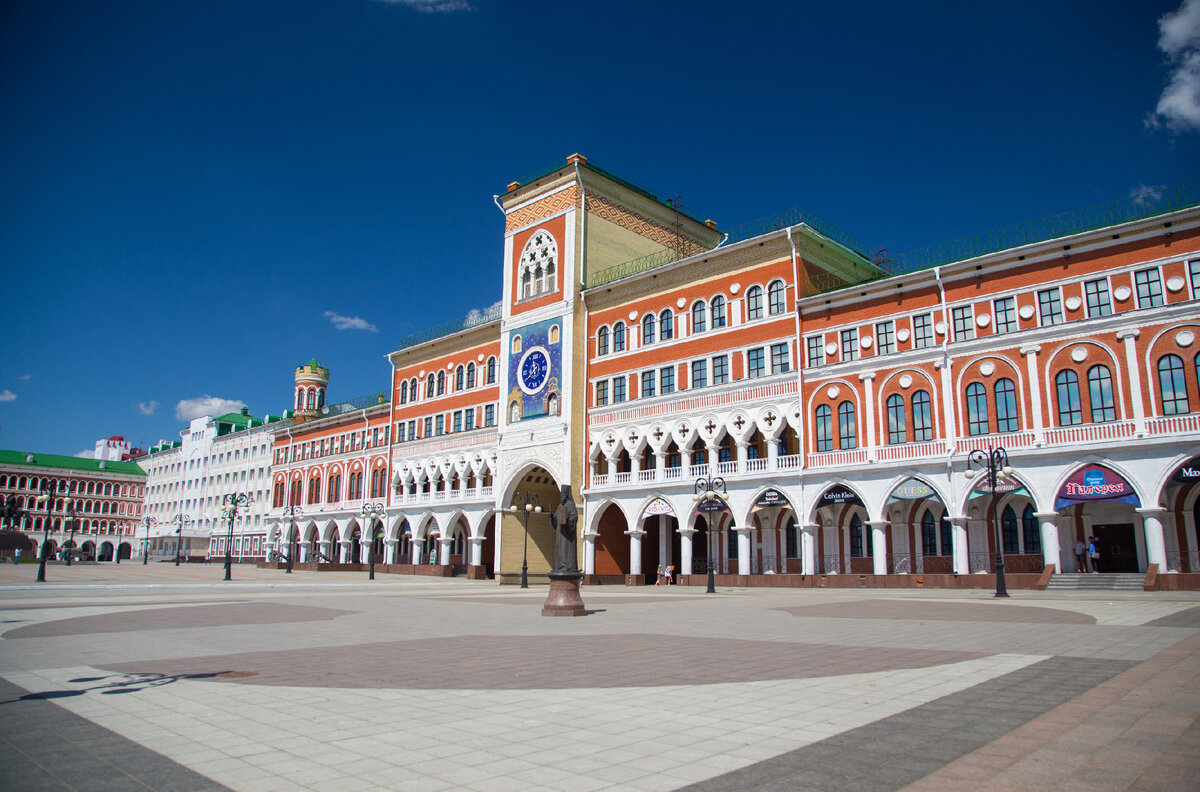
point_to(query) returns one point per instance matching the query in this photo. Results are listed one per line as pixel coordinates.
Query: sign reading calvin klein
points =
(772, 497)
(1188, 472)
(839, 495)
(1095, 483)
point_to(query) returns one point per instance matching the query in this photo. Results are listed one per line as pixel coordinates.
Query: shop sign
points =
(772, 497)
(1095, 483)
(1187, 472)
(713, 504)
(659, 506)
(836, 496)
(913, 490)
(1003, 487)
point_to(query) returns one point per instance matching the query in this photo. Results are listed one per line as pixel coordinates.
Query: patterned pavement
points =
(155, 678)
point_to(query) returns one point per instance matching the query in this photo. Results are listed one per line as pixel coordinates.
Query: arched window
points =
(491, 370)
(441, 383)
(335, 487)
(538, 265)
(847, 430)
(775, 292)
(310, 399)
(412, 389)
(1066, 385)
(947, 534)
(1006, 406)
(404, 392)
(516, 345)
(299, 398)
(754, 302)
(648, 329)
(1008, 529)
(666, 325)
(602, 341)
(922, 417)
(1100, 394)
(618, 336)
(314, 489)
(1173, 386)
(1029, 529)
(977, 409)
(895, 420)
(470, 375)
(856, 539)
(718, 311)
(429, 383)
(460, 374)
(929, 544)
(699, 316)
(824, 428)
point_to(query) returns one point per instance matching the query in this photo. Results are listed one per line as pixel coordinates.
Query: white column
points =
(589, 553)
(664, 542)
(1051, 552)
(710, 453)
(476, 551)
(1035, 392)
(770, 545)
(1189, 536)
(660, 462)
(685, 550)
(1155, 549)
(879, 545)
(745, 547)
(344, 550)
(635, 551)
(1134, 378)
(949, 403)
(447, 542)
(868, 416)
(742, 455)
(958, 542)
(364, 550)
(808, 549)
(415, 547)
(326, 549)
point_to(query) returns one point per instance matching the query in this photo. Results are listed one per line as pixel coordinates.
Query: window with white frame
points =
(754, 303)
(922, 331)
(780, 358)
(1097, 298)
(756, 362)
(1149, 287)
(538, 265)
(601, 393)
(618, 389)
(814, 348)
(775, 297)
(648, 384)
(1050, 307)
(885, 337)
(720, 369)
(964, 322)
(666, 380)
(699, 373)
(1194, 277)
(850, 344)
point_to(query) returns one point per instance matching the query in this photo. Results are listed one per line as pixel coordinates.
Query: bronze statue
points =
(564, 519)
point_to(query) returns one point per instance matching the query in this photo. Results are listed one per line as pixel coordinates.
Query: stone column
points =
(745, 547)
(476, 551)
(959, 546)
(879, 545)
(742, 455)
(1051, 552)
(1155, 546)
(770, 545)
(660, 462)
(344, 550)
(635, 551)
(685, 550)
(773, 454)
(589, 553)
(415, 548)
(808, 548)
(364, 550)
(664, 542)
(1134, 370)
(868, 417)
(710, 453)
(447, 542)
(1035, 392)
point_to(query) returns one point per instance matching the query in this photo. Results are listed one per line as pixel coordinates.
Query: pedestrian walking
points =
(1080, 554)
(1094, 554)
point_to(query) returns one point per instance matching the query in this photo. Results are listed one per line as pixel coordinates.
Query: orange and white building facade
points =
(637, 353)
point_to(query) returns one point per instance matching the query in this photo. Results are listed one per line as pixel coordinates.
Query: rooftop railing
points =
(473, 319)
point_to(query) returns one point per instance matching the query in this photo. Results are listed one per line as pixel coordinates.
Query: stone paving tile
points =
(974, 612)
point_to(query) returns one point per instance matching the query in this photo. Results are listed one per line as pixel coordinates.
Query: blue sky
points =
(200, 196)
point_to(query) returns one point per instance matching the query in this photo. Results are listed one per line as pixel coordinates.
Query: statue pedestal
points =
(564, 599)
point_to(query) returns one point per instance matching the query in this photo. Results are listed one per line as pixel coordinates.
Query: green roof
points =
(44, 461)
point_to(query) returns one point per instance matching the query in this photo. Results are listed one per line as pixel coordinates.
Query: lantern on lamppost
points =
(710, 498)
(230, 505)
(373, 512)
(530, 504)
(995, 462)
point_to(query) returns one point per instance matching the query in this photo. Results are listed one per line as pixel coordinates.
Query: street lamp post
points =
(372, 512)
(995, 461)
(230, 505)
(69, 503)
(531, 505)
(46, 496)
(710, 498)
(291, 512)
(180, 521)
(147, 521)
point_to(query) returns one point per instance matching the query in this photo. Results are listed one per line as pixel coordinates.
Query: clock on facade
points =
(534, 370)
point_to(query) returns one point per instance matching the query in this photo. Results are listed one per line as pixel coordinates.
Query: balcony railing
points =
(692, 401)
(756, 465)
(1087, 433)
(856, 456)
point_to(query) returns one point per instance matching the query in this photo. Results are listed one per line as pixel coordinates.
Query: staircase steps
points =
(1096, 582)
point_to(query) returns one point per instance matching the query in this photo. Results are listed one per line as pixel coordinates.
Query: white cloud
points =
(206, 405)
(432, 6)
(1179, 37)
(25, 376)
(89, 454)
(350, 323)
(147, 408)
(7, 395)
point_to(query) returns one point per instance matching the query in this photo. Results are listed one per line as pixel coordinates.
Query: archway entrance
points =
(612, 546)
(660, 541)
(918, 535)
(774, 520)
(1096, 501)
(542, 490)
(840, 517)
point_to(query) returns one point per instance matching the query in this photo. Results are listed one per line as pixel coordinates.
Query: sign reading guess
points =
(1095, 483)
(912, 490)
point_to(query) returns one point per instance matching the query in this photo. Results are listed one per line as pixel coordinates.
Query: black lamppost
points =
(12, 512)
(995, 461)
(291, 512)
(230, 505)
(710, 498)
(69, 503)
(147, 521)
(372, 512)
(180, 521)
(46, 496)
(531, 504)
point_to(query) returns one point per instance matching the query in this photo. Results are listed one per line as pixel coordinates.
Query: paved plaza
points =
(154, 677)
